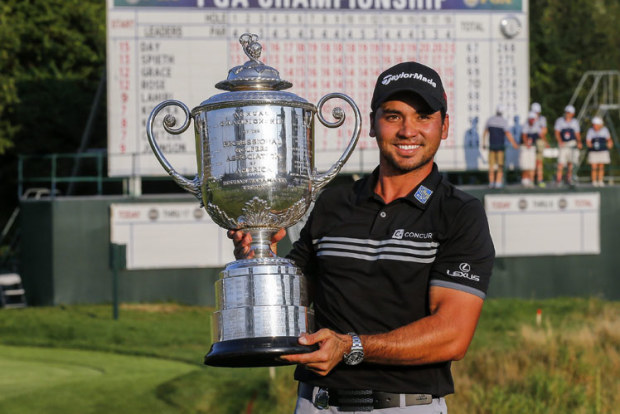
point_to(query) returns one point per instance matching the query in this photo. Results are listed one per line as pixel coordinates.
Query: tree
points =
(8, 92)
(52, 54)
(568, 38)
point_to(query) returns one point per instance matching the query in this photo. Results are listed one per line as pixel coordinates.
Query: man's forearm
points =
(444, 335)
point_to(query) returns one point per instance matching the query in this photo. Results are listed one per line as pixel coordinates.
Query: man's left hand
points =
(332, 347)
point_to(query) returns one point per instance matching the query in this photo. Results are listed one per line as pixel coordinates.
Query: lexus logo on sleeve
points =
(464, 272)
(465, 267)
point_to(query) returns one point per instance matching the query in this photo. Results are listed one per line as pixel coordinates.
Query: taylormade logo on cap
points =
(389, 78)
(410, 77)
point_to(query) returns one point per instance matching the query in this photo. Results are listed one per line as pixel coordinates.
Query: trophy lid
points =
(253, 74)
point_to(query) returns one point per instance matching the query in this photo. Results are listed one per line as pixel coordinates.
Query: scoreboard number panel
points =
(179, 49)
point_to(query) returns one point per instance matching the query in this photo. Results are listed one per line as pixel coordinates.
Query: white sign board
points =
(169, 235)
(544, 224)
(179, 49)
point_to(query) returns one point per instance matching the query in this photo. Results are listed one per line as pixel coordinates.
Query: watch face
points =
(510, 26)
(354, 358)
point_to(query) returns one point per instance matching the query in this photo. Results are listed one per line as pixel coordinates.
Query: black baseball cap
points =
(410, 77)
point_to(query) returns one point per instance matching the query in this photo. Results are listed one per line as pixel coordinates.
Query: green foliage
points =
(164, 331)
(8, 91)
(52, 56)
(46, 43)
(551, 367)
(568, 38)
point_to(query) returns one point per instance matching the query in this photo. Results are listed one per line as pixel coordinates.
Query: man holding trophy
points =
(398, 265)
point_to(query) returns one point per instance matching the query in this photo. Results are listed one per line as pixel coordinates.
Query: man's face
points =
(407, 133)
(569, 115)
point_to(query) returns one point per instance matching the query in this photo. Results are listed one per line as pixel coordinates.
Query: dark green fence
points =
(65, 259)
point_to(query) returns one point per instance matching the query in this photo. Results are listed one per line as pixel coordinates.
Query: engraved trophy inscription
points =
(255, 160)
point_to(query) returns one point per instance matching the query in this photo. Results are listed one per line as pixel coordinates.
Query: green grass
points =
(40, 380)
(77, 359)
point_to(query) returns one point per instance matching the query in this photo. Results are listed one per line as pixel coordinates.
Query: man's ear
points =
(445, 127)
(372, 125)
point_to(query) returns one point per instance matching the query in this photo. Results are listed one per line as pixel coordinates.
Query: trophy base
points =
(255, 352)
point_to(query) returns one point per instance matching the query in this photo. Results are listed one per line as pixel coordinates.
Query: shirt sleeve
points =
(465, 257)
(505, 125)
(543, 122)
(302, 253)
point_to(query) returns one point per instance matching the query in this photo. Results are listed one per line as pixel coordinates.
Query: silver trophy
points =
(255, 155)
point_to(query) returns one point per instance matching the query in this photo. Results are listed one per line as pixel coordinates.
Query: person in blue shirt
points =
(497, 130)
(599, 142)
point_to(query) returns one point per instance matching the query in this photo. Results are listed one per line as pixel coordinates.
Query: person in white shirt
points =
(530, 135)
(599, 142)
(541, 143)
(568, 136)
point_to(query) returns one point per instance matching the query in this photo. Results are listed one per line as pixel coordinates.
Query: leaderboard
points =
(166, 49)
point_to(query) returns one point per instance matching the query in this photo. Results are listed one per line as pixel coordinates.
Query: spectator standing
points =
(512, 154)
(540, 119)
(530, 134)
(541, 143)
(496, 131)
(599, 142)
(568, 136)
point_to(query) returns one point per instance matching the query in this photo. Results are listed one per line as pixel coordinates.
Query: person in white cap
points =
(540, 119)
(497, 130)
(599, 142)
(541, 143)
(568, 136)
(530, 135)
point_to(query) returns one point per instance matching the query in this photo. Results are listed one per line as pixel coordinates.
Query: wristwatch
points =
(356, 354)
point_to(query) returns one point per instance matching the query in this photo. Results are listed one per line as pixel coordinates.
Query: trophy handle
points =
(320, 180)
(193, 186)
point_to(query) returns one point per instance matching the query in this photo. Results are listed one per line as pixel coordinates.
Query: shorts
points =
(540, 147)
(527, 158)
(599, 157)
(496, 157)
(568, 153)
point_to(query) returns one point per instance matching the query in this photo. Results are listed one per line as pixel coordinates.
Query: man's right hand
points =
(242, 241)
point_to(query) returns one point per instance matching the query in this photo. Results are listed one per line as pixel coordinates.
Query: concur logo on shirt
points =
(400, 233)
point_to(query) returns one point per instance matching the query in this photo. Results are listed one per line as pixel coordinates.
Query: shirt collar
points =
(419, 196)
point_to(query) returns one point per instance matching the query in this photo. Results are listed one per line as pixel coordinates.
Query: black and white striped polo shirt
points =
(371, 265)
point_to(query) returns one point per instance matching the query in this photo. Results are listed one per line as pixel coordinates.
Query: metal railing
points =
(54, 175)
(597, 94)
